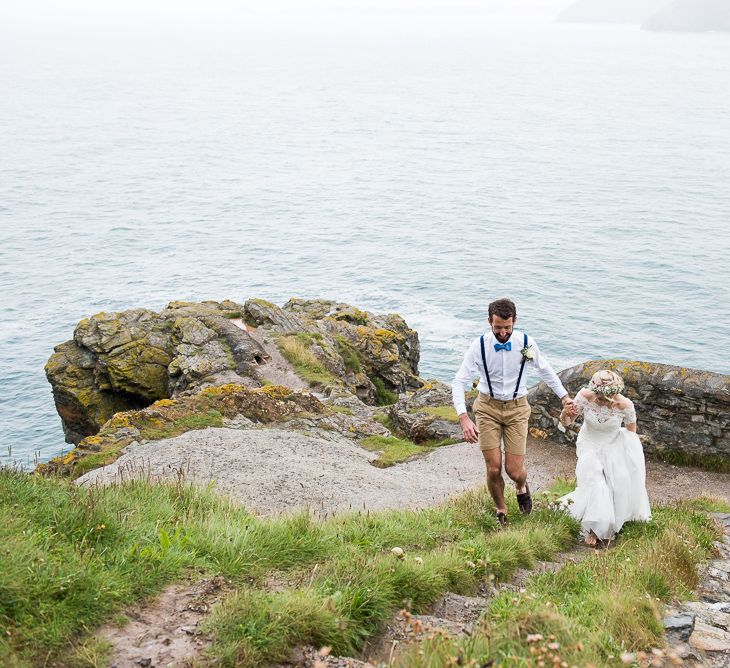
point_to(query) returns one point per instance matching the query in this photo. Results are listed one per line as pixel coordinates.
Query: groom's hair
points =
(504, 308)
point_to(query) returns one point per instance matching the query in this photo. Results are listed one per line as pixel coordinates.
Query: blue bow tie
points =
(503, 346)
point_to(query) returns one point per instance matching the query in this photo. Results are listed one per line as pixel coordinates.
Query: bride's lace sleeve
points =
(630, 414)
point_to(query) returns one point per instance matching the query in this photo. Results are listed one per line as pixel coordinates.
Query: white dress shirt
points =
(504, 368)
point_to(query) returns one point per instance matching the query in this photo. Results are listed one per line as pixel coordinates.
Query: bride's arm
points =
(630, 416)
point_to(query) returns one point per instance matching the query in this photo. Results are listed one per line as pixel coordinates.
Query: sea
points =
(418, 164)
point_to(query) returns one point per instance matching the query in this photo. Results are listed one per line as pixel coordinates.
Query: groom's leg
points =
(517, 417)
(495, 481)
(488, 415)
(515, 467)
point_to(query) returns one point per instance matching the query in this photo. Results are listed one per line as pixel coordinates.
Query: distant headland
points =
(655, 15)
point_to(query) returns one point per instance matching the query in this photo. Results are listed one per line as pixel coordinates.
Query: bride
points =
(610, 471)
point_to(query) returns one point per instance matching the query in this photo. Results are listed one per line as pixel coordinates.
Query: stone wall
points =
(683, 414)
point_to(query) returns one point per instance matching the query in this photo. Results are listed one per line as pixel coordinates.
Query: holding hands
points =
(471, 432)
(570, 410)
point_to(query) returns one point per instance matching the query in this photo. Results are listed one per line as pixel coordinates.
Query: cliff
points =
(126, 361)
(325, 368)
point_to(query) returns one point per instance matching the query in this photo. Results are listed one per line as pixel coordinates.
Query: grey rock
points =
(679, 627)
(709, 614)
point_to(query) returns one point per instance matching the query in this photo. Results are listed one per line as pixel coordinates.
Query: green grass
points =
(296, 349)
(591, 612)
(383, 396)
(706, 462)
(73, 558)
(349, 354)
(392, 450)
(384, 419)
(349, 596)
(441, 412)
(345, 410)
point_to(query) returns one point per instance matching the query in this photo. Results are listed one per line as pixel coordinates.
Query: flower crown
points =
(606, 383)
(606, 390)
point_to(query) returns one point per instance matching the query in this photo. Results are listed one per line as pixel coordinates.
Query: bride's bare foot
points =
(590, 540)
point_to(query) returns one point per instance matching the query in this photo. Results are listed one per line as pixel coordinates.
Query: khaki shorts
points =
(502, 421)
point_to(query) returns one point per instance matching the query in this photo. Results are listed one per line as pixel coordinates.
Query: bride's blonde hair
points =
(607, 383)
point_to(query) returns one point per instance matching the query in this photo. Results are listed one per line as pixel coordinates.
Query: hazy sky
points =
(192, 13)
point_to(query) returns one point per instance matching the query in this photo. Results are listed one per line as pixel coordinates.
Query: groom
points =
(498, 359)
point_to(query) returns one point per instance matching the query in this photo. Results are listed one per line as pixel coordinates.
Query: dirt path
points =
(165, 631)
(278, 471)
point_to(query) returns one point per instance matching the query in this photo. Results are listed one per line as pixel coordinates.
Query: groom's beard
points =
(502, 338)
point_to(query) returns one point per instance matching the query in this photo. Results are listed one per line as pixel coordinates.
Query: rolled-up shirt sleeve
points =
(466, 374)
(546, 373)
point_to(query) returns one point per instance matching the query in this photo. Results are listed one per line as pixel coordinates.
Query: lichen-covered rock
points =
(232, 406)
(82, 401)
(373, 348)
(211, 407)
(260, 313)
(123, 361)
(683, 414)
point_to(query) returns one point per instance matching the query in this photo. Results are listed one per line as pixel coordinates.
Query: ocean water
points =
(418, 165)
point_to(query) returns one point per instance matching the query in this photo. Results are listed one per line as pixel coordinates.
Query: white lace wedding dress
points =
(610, 472)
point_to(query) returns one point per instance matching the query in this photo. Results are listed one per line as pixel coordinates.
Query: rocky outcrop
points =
(233, 406)
(427, 415)
(369, 354)
(125, 361)
(683, 414)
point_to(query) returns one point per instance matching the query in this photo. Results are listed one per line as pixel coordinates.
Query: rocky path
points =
(452, 614)
(697, 632)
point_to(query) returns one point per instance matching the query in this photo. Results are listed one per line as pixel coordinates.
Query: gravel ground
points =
(274, 471)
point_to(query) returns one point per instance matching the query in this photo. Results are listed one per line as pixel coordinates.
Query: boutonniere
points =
(528, 353)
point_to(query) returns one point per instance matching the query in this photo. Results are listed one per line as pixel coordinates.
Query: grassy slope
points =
(72, 558)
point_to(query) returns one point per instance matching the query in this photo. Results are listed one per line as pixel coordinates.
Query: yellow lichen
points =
(274, 391)
(163, 402)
